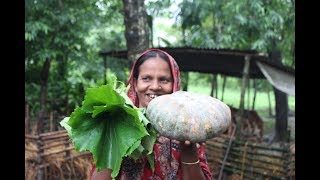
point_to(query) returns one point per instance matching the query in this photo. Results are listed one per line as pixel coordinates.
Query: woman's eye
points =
(145, 78)
(164, 80)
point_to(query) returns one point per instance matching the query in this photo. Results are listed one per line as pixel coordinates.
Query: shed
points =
(227, 62)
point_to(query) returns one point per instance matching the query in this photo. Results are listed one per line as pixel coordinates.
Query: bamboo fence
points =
(52, 156)
(249, 160)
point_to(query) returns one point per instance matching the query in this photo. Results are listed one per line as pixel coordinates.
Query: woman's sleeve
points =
(204, 164)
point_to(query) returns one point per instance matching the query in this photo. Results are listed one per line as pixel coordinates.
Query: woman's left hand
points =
(189, 150)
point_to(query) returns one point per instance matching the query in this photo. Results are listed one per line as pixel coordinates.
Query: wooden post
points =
(243, 90)
(66, 147)
(51, 121)
(223, 85)
(216, 84)
(27, 119)
(254, 93)
(40, 174)
(213, 85)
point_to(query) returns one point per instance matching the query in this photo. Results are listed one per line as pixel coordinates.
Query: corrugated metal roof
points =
(227, 62)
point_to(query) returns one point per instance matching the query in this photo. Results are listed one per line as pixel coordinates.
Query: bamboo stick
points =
(66, 159)
(33, 150)
(53, 133)
(56, 152)
(55, 145)
(53, 136)
(28, 136)
(50, 141)
(226, 155)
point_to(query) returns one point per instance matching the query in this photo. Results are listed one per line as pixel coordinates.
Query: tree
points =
(136, 32)
(55, 34)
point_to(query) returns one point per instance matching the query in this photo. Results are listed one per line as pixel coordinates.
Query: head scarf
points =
(174, 71)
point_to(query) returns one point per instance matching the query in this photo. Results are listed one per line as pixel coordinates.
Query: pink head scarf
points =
(174, 71)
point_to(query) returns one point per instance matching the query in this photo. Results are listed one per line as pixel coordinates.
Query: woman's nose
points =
(155, 85)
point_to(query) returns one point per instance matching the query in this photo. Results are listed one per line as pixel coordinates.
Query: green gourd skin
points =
(189, 116)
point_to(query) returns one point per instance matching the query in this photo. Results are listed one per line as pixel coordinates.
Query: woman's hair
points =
(145, 57)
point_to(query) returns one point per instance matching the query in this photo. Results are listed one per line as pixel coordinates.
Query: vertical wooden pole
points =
(27, 119)
(216, 84)
(244, 82)
(51, 121)
(254, 93)
(223, 85)
(248, 94)
(245, 76)
(40, 173)
(212, 86)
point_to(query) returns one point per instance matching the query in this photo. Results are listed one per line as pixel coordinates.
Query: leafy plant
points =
(110, 126)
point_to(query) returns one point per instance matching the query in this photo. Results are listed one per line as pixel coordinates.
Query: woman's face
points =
(154, 80)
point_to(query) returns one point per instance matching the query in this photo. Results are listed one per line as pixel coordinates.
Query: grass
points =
(232, 94)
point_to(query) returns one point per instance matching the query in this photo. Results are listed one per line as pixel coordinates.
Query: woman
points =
(156, 73)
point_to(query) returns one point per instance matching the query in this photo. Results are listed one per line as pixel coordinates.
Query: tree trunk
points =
(281, 99)
(44, 76)
(136, 28)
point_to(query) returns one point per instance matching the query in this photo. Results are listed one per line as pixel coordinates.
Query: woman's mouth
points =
(152, 96)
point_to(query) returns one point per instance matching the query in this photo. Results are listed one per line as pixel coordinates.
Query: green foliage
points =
(70, 33)
(110, 127)
(240, 24)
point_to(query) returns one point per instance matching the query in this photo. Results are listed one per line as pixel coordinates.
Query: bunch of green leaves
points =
(111, 127)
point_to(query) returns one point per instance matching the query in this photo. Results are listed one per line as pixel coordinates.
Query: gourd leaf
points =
(110, 127)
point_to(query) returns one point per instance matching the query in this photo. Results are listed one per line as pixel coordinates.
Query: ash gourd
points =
(189, 116)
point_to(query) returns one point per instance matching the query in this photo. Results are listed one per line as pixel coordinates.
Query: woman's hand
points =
(102, 175)
(190, 162)
(189, 151)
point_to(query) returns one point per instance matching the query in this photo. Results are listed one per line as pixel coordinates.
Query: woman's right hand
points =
(102, 175)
